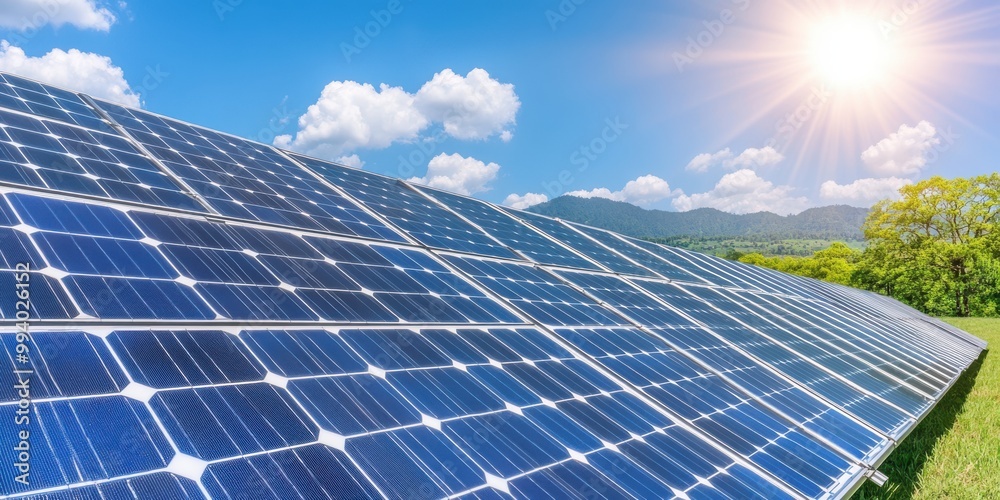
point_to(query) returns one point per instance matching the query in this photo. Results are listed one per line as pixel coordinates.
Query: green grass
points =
(955, 451)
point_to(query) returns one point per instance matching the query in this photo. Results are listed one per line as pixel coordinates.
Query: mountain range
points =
(835, 222)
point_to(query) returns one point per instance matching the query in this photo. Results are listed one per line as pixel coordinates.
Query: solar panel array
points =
(191, 314)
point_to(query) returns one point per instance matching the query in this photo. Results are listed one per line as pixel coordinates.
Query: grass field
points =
(955, 451)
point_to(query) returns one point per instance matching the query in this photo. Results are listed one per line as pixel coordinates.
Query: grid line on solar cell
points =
(870, 375)
(140, 147)
(27, 96)
(867, 346)
(49, 155)
(410, 211)
(623, 298)
(607, 258)
(147, 265)
(243, 179)
(531, 244)
(890, 419)
(776, 443)
(669, 317)
(644, 256)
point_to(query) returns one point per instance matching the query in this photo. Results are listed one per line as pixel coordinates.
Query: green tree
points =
(937, 247)
(834, 263)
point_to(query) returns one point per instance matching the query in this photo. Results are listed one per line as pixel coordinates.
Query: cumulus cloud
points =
(863, 192)
(904, 152)
(80, 71)
(704, 161)
(353, 161)
(24, 15)
(641, 191)
(471, 107)
(521, 202)
(743, 191)
(752, 158)
(350, 115)
(458, 174)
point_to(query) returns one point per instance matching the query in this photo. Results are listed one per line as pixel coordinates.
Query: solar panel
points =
(200, 315)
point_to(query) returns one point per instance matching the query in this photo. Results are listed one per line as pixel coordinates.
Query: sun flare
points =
(849, 51)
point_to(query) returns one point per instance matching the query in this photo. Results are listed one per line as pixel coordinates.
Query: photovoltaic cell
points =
(246, 180)
(512, 233)
(581, 243)
(88, 161)
(419, 217)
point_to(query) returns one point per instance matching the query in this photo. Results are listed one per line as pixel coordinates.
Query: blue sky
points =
(733, 104)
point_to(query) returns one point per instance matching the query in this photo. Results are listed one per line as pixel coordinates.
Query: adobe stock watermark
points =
(365, 33)
(281, 116)
(946, 140)
(224, 7)
(900, 15)
(714, 29)
(584, 156)
(562, 12)
(788, 126)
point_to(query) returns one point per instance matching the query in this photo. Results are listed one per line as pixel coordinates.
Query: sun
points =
(849, 51)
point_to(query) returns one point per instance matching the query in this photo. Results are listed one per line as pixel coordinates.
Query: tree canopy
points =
(936, 248)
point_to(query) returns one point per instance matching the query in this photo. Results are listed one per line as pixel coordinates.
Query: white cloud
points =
(353, 161)
(743, 191)
(755, 158)
(520, 202)
(641, 191)
(904, 152)
(350, 115)
(80, 71)
(750, 158)
(458, 174)
(471, 107)
(24, 15)
(863, 192)
(702, 162)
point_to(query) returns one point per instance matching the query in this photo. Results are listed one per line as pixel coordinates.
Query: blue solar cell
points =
(511, 232)
(408, 210)
(33, 97)
(394, 349)
(219, 422)
(303, 352)
(243, 179)
(537, 293)
(355, 404)
(92, 161)
(63, 364)
(90, 439)
(164, 359)
(415, 462)
(505, 444)
(155, 486)
(307, 472)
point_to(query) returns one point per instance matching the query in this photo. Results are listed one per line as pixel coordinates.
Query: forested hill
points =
(838, 222)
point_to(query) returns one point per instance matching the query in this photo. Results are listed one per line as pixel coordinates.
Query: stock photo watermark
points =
(583, 157)
(713, 29)
(23, 371)
(365, 33)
